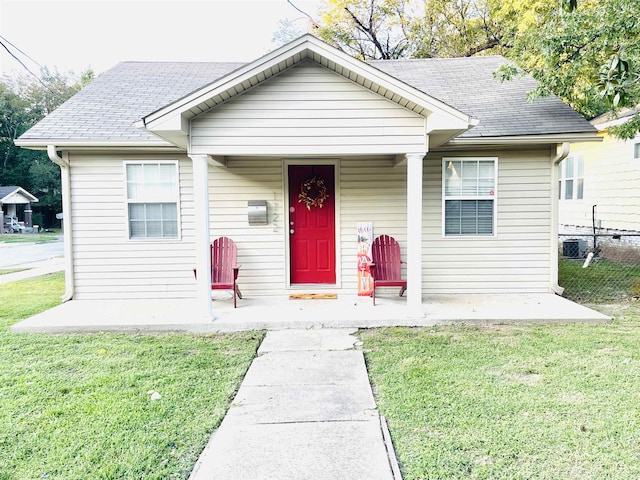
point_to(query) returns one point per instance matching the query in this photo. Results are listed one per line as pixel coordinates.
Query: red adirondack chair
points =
(224, 267)
(386, 266)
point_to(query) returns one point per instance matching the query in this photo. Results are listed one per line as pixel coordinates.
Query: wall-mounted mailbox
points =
(257, 212)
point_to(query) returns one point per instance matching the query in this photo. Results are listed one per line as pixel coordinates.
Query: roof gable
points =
(172, 121)
(15, 195)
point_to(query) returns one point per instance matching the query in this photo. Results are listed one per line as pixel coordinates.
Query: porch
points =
(279, 312)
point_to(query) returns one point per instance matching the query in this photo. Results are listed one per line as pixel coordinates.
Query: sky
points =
(73, 36)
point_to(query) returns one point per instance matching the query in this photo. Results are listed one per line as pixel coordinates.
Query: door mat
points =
(313, 296)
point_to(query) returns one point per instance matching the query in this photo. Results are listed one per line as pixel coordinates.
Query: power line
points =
(19, 61)
(23, 53)
(313, 22)
(2, 40)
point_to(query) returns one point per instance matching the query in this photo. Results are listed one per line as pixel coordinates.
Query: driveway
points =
(12, 254)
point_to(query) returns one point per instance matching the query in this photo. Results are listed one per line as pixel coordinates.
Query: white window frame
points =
(493, 196)
(575, 178)
(171, 198)
(635, 150)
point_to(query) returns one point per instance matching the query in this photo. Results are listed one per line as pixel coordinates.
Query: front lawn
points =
(7, 271)
(79, 407)
(511, 402)
(29, 237)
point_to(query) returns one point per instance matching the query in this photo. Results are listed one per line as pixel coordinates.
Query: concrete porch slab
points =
(278, 313)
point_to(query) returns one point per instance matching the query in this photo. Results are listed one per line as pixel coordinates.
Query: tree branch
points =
(369, 32)
(494, 42)
(577, 49)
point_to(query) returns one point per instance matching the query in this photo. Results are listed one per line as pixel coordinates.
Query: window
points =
(152, 199)
(571, 178)
(469, 196)
(636, 151)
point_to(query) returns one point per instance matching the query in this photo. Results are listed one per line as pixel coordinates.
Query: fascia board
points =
(41, 144)
(527, 139)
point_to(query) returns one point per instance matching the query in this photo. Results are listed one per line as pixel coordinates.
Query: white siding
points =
(611, 181)
(108, 264)
(308, 110)
(517, 258)
(261, 248)
(369, 188)
(372, 190)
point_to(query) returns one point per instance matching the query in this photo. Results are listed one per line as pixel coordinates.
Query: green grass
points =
(511, 402)
(603, 281)
(77, 407)
(29, 237)
(6, 271)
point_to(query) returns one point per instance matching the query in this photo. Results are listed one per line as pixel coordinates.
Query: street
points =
(18, 253)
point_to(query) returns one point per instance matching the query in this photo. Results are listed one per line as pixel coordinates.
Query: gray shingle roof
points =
(105, 110)
(468, 85)
(6, 190)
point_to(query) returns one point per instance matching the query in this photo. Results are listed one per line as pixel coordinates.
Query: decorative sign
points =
(365, 239)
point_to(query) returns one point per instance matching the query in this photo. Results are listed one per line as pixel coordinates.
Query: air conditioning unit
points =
(574, 248)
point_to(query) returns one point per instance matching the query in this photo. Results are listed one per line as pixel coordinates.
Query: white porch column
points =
(414, 232)
(203, 251)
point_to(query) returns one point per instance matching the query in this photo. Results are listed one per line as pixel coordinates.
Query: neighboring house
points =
(160, 158)
(15, 209)
(600, 183)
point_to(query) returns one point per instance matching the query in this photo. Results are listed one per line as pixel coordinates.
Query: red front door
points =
(312, 224)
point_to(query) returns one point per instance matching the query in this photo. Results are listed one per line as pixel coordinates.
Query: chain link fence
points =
(599, 268)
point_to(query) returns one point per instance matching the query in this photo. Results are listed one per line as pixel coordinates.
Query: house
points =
(158, 159)
(15, 209)
(599, 183)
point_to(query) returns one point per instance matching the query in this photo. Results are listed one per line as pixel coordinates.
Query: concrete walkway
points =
(34, 269)
(305, 410)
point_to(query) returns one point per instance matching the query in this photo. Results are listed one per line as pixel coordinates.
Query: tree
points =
(16, 117)
(23, 102)
(587, 52)
(388, 29)
(366, 29)
(285, 33)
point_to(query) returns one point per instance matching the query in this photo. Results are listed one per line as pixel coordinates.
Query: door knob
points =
(292, 231)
